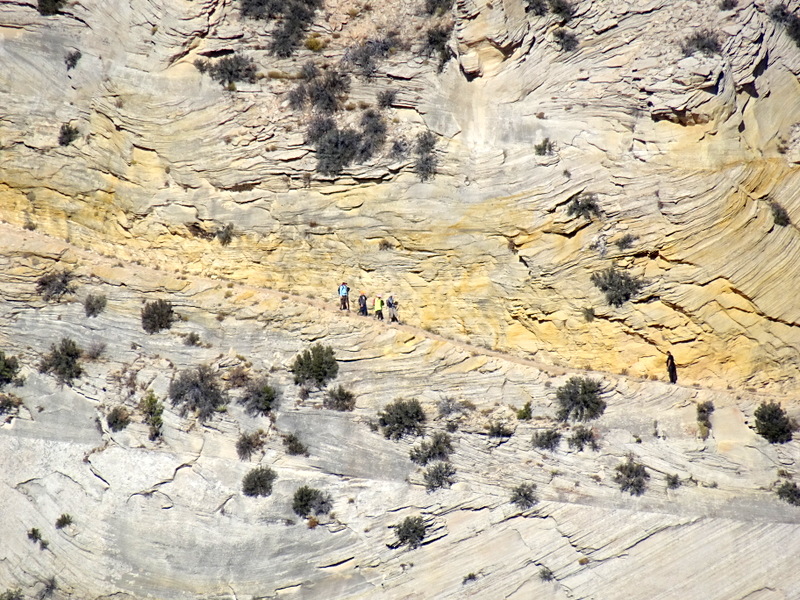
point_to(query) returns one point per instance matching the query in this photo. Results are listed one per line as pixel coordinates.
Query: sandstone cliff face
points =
(684, 153)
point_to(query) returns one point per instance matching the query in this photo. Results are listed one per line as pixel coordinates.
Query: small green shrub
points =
(197, 390)
(153, 410)
(225, 234)
(9, 368)
(34, 534)
(336, 150)
(438, 447)
(626, 241)
(67, 134)
(63, 521)
(498, 429)
(584, 205)
(437, 43)
(524, 496)
(469, 578)
(9, 403)
(566, 40)
(437, 7)
(339, 398)
(230, 69)
(249, 443)
(632, 477)
(448, 406)
(53, 286)
(50, 7)
(118, 419)
(579, 398)
(773, 424)
(546, 440)
(728, 4)
(544, 148)
(546, 574)
(71, 59)
(316, 365)
(293, 445)
(562, 9)
(12, 594)
(782, 15)
(704, 41)
(308, 501)
(157, 315)
(425, 165)
(401, 417)
(386, 98)
(260, 398)
(704, 410)
(94, 304)
(524, 413)
(258, 482)
(410, 532)
(192, 339)
(439, 475)
(779, 215)
(63, 361)
(94, 351)
(618, 286)
(582, 437)
(292, 19)
(673, 482)
(789, 492)
(536, 7)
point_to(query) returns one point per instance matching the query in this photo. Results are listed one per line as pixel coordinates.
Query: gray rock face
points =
(167, 518)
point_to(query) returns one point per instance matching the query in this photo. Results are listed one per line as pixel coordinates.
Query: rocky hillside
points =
(550, 188)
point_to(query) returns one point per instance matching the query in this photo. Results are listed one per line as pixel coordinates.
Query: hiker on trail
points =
(391, 304)
(378, 307)
(344, 296)
(362, 304)
(672, 370)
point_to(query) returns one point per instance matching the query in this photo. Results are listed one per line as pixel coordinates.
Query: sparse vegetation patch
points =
(524, 496)
(438, 447)
(310, 501)
(157, 315)
(249, 443)
(779, 214)
(317, 365)
(94, 304)
(9, 368)
(292, 19)
(410, 531)
(53, 286)
(402, 417)
(582, 437)
(258, 482)
(546, 440)
(118, 419)
(704, 41)
(197, 390)
(579, 398)
(259, 398)
(618, 286)
(439, 475)
(773, 424)
(632, 477)
(789, 492)
(584, 205)
(63, 361)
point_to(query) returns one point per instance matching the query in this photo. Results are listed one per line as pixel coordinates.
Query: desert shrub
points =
(63, 361)
(157, 315)
(779, 215)
(499, 429)
(437, 41)
(704, 41)
(546, 574)
(439, 475)
(49, 586)
(95, 350)
(524, 496)
(582, 437)
(293, 445)
(673, 481)
(618, 286)
(315, 44)
(626, 241)
(259, 398)
(53, 286)
(584, 205)
(781, 14)
(67, 134)
(546, 147)
(438, 447)
(340, 398)
(12, 594)
(773, 424)
(63, 521)
(225, 234)
(468, 578)
(562, 9)
(632, 477)
(9, 402)
(373, 134)
(449, 406)
(316, 365)
(364, 57)
(94, 304)
(401, 417)
(308, 501)
(336, 150)
(566, 40)
(258, 482)
(385, 245)
(399, 148)
(546, 440)
(192, 339)
(524, 413)
(437, 7)
(325, 91)
(34, 534)
(50, 7)
(152, 410)
(292, 17)
(197, 390)
(118, 419)
(579, 398)
(71, 59)
(425, 165)
(704, 410)
(410, 532)
(536, 7)
(248, 444)
(231, 69)
(728, 4)
(238, 377)
(9, 368)
(789, 492)
(318, 127)
(386, 98)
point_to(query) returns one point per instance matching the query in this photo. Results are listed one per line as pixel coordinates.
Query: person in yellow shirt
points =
(378, 307)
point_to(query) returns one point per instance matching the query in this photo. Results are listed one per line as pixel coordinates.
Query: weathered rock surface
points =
(166, 519)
